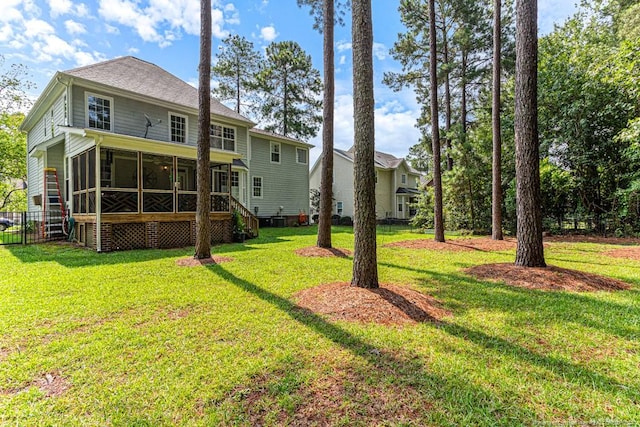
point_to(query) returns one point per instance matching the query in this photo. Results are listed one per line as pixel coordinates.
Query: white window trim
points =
(235, 135)
(253, 186)
(404, 179)
(306, 156)
(86, 110)
(271, 145)
(186, 127)
(341, 203)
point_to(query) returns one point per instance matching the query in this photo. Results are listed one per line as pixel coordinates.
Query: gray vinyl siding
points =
(285, 184)
(34, 181)
(128, 118)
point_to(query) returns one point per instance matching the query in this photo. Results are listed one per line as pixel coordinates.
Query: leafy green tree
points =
(13, 143)
(588, 95)
(234, 70)
(290, 88)
(558, 190)
(13, 86)
(13, 167)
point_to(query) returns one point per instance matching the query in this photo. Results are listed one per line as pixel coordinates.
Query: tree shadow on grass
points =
(391, 367)
(570, 307)
(407, 368)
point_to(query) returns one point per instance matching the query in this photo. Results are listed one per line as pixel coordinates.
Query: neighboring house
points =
(122, 136)
(396, 184)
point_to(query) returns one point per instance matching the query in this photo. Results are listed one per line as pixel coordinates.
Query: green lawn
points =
(129, 338)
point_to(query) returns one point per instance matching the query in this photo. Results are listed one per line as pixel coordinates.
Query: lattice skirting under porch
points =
(140, 235)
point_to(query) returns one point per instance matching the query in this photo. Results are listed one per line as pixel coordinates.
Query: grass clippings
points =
(317, 252)
(631, 252)
(388, 305)
(548, 278)
(193, 262)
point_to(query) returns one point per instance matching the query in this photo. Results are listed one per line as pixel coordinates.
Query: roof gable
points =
(144, 78)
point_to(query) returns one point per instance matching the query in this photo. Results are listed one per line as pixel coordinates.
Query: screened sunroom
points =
(121, 198)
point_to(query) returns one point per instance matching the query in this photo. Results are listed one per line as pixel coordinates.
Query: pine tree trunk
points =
(447, 97)
(326, 180)
(365, 268)
(203, 221)
(530, 252)
(435, 127)
(496, 199)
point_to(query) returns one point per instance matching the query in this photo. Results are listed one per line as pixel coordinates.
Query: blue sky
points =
(51, 35)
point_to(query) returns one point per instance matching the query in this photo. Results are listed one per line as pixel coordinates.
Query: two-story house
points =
(396, 184)
(120, 136)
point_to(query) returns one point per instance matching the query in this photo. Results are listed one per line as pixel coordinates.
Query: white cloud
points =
(110, 29)
(380, 51)
(59, 7)
(133, 50)
(342, 46)
(37, 28)
(342, 60)
(268, 33)
(6, 33)
(162, 21)
(9, 11)
(74, 27)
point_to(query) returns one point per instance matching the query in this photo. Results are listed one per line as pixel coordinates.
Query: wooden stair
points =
(251, 223)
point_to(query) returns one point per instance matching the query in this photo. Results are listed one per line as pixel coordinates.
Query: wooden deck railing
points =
(251, 223)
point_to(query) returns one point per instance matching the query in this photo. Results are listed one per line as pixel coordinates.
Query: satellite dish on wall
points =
(150, 124)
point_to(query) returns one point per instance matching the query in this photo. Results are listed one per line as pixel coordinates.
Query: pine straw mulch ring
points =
(549, 278)
(484, 244)
(389, 304)
(630, 252)
(192, 262)
(315, 251)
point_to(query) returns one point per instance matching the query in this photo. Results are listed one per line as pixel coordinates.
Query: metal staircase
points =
(52, 206)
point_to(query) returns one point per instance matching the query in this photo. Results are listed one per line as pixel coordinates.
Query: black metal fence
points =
(22, 228)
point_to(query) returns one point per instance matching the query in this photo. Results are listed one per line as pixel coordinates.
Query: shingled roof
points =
(382, 160)
(144, 78)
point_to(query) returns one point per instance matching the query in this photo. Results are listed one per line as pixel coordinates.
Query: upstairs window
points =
(222, 137)
(257, 187)
(403, 178)
(178, 128)
(275, 152)
(100, 112)
(301, 155)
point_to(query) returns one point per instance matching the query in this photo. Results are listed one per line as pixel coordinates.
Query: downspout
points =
(98, 198)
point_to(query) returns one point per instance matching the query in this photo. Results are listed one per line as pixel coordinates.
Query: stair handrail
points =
(251, 221)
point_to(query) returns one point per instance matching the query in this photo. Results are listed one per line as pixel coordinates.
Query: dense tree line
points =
(589, 113)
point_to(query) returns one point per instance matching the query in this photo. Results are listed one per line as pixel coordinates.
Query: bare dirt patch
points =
(484, 244)
(314, 251)
(346, 393)
(631, 252)
(51, 384)
(549, 278)
(388, 305)
(192, 262)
